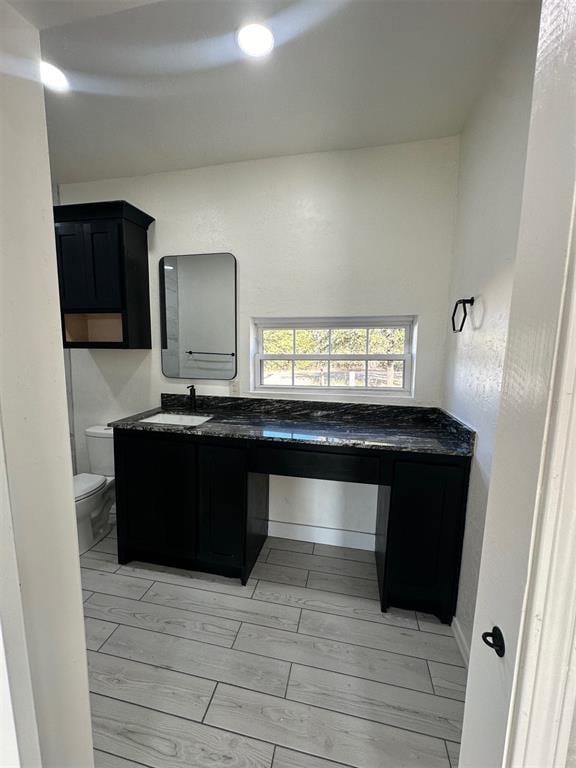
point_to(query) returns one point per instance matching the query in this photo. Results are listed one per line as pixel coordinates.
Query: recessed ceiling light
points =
(255, 40)
(53, 78)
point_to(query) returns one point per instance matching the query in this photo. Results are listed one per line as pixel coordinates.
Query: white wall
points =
(19, 743)
(571, 761)
(41, 513)
(364, 232)
(493, 153)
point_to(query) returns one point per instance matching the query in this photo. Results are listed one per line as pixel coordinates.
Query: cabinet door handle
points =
(495, 640)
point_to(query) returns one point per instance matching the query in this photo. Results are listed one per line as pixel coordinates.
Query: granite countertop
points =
(382, 427)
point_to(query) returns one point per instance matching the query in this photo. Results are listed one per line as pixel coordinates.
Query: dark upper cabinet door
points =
(89, 265)
(425, 531)
(222, 506)
(103, 254)
(73, 268)
(157, 497)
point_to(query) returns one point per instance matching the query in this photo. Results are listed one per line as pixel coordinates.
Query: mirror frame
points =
(163, 332)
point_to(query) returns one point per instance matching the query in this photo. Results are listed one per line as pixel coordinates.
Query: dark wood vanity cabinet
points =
(419, 533)
(102, 253)
(185, 504)
(156, 492)
(202, 503)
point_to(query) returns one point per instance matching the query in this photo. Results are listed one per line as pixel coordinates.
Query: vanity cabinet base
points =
(419, 534)
(188, 505)
(201, 503)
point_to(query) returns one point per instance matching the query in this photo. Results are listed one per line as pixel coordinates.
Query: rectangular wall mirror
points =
(198, 316)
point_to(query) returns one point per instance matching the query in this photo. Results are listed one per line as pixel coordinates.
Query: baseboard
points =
(461, 641)
(319, 535)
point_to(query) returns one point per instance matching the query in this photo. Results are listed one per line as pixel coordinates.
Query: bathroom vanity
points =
(196, 497)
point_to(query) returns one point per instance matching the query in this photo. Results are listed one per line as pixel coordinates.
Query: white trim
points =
(17, 707)
(544, 705)
(340, 321)
(461, 641)
(318, 535)
(407, 322)
(543, 700)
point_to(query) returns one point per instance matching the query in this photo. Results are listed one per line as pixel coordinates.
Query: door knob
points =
(495, 640)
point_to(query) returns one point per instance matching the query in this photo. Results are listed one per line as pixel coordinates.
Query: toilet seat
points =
(86, 485)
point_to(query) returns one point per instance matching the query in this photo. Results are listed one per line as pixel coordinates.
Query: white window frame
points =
(408, 322)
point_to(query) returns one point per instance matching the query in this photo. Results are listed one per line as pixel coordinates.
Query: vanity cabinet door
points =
(222, 507)
(156, 499)
(424, 538)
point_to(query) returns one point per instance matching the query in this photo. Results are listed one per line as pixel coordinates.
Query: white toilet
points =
(95, 492)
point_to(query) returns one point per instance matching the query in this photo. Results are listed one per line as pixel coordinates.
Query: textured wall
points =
(493, 153)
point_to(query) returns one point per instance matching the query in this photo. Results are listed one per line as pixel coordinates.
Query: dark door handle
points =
(495, 640)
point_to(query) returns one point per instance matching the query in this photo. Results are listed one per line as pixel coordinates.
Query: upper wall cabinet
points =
(102, 251)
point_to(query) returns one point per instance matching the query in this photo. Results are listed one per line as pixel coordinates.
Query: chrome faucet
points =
(192, 391)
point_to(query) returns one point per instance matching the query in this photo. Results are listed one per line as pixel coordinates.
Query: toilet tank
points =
(100, 442)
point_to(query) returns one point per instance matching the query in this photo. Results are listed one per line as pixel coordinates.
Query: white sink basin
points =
(181, 419)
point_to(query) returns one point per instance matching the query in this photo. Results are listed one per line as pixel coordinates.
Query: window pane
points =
(278, 341)
(311, 341)
(277, 373)
(386, 373)
(347, 373)
(386, 341)
(311, 373)
(349, 341)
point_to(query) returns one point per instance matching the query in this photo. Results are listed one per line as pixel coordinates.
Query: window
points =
(360, 354)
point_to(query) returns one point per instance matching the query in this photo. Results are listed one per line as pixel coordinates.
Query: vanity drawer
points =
(319, 465)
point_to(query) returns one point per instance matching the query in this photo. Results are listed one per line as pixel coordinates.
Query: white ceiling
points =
(53, 13)
(163, 87)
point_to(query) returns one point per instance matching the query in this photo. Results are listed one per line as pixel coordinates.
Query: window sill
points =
(344, 394)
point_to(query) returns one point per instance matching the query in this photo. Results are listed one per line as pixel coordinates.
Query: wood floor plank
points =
(161, 689)
(286, 758)
(344, 585)
(423, 645)
(226, 606)
(291, 545)
(448, 680)
(161, 618)
(106, 760)
(279, 573)
(114, 584)
(208, 661)
(332, 602)
(453, 753)
(332, 565)
(108, 545)
(412, 710)
(97, 632)
(85, 594)
(99, 561)
(345, 553)
(336, 656)
(429, 623)
(165, 741)
(329, 735)
(208, 581)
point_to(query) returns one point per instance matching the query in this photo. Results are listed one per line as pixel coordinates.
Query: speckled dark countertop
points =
(383, 427)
